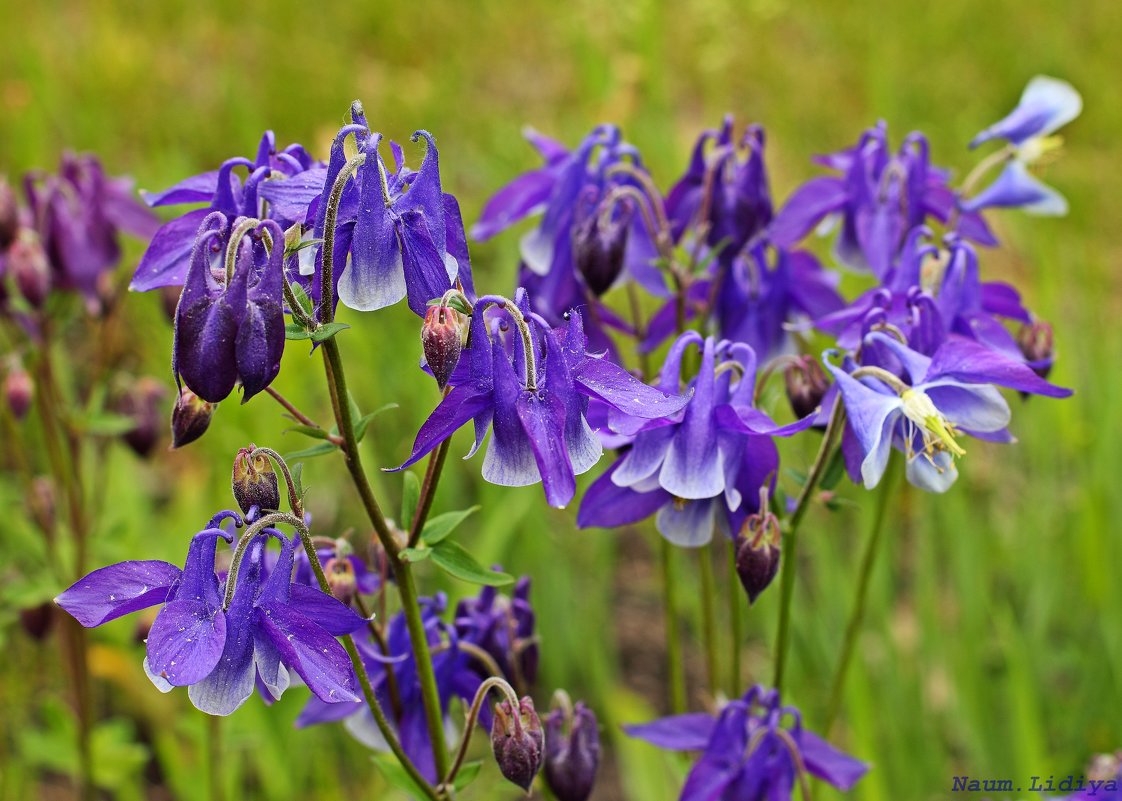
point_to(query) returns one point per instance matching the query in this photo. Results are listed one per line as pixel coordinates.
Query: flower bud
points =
(142, 403)
(9, 215)
(571, 758)
(517, 742)
(442, 340)
(40, 502)
(32, 273)
(757, 553)
(189, 418)
(599, 246)
(18, 391)
(37, 620)
(1035, 342)
(806, 385)
(340, 575)
(254, 481)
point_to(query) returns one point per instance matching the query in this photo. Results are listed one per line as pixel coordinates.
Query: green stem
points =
(676, 673)
(736, 623)
(857, 615)
(428, 487)
(494, 682)
(709, 618)
(418, 637)
(791, 540)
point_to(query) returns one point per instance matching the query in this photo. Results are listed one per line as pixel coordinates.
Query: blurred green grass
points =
(994, 636)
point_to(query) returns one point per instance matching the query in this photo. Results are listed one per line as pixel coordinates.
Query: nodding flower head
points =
(572, 751)
(518, 742)
(254, 482)
(190, 417)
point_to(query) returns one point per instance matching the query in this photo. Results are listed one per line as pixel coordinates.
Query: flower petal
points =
(828, 763)
(810, 203)
(871, 416)
(334, 616)
(186, 641)
(676, 733)
(688, 524)
(168, 255)
(607, 505)
(110, 592)
(308, 649)
(972, 363)
(1016, 187)
(1046, 105)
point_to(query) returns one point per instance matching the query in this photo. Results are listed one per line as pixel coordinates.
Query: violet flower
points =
(700, 469)
(940, 397)
(503, 627)
(536, 401)
(754, 750)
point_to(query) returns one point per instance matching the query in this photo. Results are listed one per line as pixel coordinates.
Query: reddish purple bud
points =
(599, 245)
(9, 215)
(340, 575)
(806, 385)
(254, 481)
(442, 340)
(1035, 342)
(18, 391)
(571, 757)
(757, 553)
(32, 274)
(189, 418)
(37, 620)
(143, 403)
(518, 742)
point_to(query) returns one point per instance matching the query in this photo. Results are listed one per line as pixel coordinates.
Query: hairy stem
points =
(472, 715)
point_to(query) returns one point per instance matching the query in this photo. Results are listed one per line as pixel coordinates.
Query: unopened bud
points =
(254, 481)
(189, 418)
(573, 756)
(806, 385)
(1035, 342)
(9, 215)
(757, 553)
(32, 273)
(518, 742)
(340, 574)
(599, 246)
(442, 340)
(142, 403)
(18, 391)
(36, 620)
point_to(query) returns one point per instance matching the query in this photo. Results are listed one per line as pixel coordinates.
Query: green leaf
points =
(300, 246)
(458, 563)
(326, 331)
(410, 494)
(396, 775)
(105, 424)
(302, 296)
(296, 331)
(297, 471)
(439, 527)
(321, 449)
(416, 554)
(364, 421)
(468, 772)
(315, 432)
(835, 469)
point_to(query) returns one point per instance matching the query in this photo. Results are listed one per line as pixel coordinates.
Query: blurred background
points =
(993, 643)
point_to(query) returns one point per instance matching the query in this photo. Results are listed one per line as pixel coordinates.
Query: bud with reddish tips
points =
(340, 574)
(518, 742)
(190, 418)
(254, 481)
(30, 270)
(806, 385)
(757, 552)
(18, 391)
(1035, 342)
(442, 340)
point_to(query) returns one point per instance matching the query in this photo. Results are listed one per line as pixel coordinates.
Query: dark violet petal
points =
(1004, 301)
(709, 779)
(645, 457)
(974, 407)
(810, 203)
(747, 420)
(124, 211)
(168, 256)
(462, 404)
(334, 616)
(186, 641)
(609, 382)
(316, 711)
(691, 469)
(828, 763)
(510, 461)
(606, 505)
(456, 242)
(309, 650)
(230, 684)
(676, 733)
(523, 196)
(116, 590)
(428, 275)
(196, 189)
(289, 198)
(375, 278)
(543, 418)
(425, 195)
(261, 335)
(972, 363)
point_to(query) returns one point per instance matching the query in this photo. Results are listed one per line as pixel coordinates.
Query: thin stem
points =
(214, 757)
(418, 637)
(709, 619)
(297, 414)
(383, 646)
(242, 228)
(791, 540)
(494, 682)
(294, 500)
(327, 278)
(736, 623)
(428, 487)
(886, 490)
(677, 675)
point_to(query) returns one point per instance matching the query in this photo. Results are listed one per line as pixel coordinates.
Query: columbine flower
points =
(699, 469)
(572, 752)
(503, 627)
(943, 397)
(1103, 781)
(754, 749)
(167, 259)
(230, 328)
(1046, 105)
(535, 400)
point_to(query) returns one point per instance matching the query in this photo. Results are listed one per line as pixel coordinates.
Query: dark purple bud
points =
(442, 340)
(1035, 341)
(254, 481)
(340, 575)
(32, 274)
(518, 742)
(9, 215)
(143, 402)
(599, 245)
(18, 391)
(41, 503)
(571, 757)
(757, 553)
(189, 418)
(806, 385)
(36, 620)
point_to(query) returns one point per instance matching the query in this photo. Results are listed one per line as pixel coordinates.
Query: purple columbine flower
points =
(167, 259)
(755, 749)
(230, 328)
(1046, 105)
(1103, 781)
(503, 627)
(699, 469)
(879, 197)
(535, 399)
(940, 397)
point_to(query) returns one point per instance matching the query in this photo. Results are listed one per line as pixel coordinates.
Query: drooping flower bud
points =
(573, 756)
(32, 273)
(254, 481)
(757, 553)
(18, 391)
(142, 402)
(189, 418)
(599, 245)
(9, 215)
(1035, 342)
(518, 742)
(806, 385)
(341, 578)
(442, 340)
